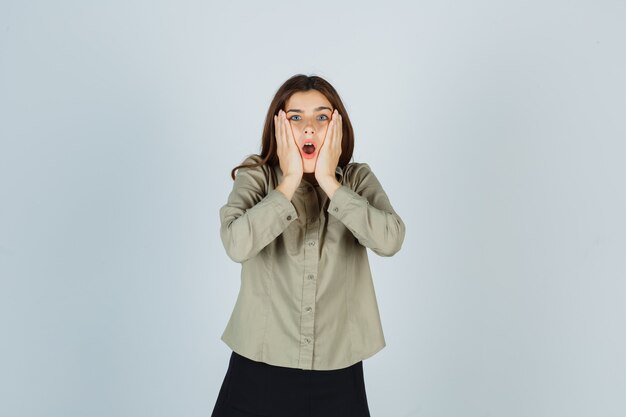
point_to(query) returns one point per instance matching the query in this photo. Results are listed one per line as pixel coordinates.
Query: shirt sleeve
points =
(253, 217)
(367, 213)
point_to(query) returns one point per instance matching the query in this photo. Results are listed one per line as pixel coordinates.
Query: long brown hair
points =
(301, 82)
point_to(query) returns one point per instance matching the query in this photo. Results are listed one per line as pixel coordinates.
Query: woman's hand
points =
(287, 149)
(329, 153)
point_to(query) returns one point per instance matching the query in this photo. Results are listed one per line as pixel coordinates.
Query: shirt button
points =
(335, 209)
(311, 243)
(289, 217)
(308, 309)
(310, 276)
(307, 340)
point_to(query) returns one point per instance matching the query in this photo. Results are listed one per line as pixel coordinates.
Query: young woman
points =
(299, 219)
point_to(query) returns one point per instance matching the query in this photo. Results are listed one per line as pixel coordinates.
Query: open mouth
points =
(308, 148)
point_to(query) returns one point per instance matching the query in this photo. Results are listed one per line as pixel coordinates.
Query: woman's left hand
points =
(329, 153)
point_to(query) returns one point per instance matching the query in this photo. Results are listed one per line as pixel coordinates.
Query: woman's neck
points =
(310, 177)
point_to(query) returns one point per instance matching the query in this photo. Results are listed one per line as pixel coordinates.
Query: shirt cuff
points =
(343, 198)
(285, 209)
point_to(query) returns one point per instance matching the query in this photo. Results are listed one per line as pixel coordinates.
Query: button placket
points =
(309, 289)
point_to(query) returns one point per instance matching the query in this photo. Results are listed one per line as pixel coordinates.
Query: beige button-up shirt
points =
(307, 298)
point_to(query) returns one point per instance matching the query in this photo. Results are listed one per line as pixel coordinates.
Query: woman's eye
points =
(295, 115)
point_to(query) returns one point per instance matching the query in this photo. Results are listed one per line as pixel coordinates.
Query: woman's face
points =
(309, 113)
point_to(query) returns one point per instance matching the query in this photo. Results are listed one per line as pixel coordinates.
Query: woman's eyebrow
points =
(315, 109)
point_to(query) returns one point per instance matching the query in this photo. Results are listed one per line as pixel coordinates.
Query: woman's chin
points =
(309, 165)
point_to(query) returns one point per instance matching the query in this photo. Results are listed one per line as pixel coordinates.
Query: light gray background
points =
(497, 129)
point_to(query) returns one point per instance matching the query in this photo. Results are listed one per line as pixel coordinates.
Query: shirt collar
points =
(304, 183)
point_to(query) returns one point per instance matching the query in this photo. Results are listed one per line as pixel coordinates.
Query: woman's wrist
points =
(329, 185)
(288, 186)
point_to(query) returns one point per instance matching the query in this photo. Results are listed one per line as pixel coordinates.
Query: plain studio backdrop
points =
(496, 128)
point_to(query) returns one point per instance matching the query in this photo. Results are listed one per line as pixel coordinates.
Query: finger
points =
(331, 125)
(335, 129)
(290, 137)
(283, 130)
(284, 145)
(339, 131)
(327, 146)
(279, 145)
(276, 133)
(333, 132)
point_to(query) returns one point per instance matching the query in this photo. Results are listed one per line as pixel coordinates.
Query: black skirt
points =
(252, 389)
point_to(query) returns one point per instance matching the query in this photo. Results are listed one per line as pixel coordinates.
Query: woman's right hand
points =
(287, 149)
